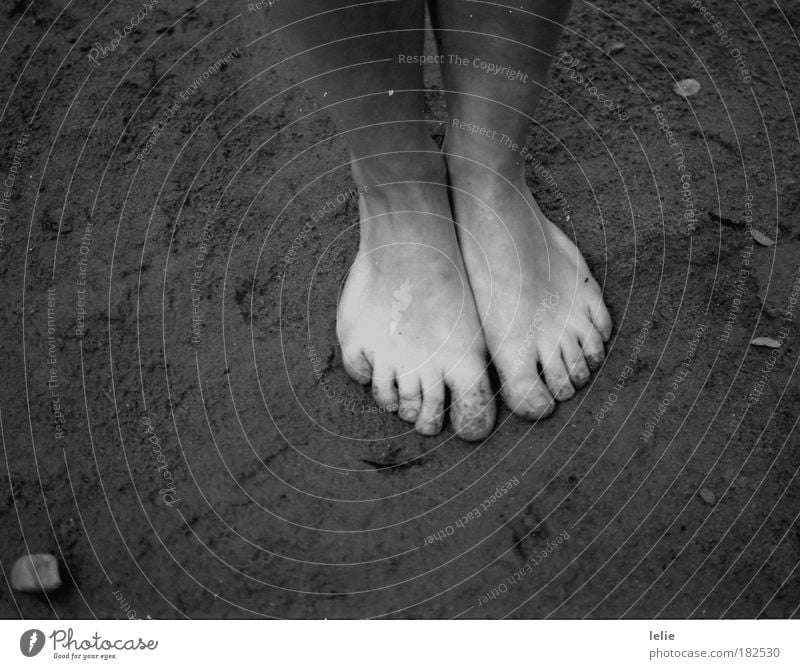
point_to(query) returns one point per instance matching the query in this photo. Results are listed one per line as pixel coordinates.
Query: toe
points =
(528, 397)
(356, 365)
(555, 373)
(383, 388)
(472, 407)
(593, 349)
(410, 397)
(601, 319)
(572, 355)
(431, 413)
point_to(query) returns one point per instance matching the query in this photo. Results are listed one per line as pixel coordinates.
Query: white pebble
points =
(687, 87)
(37, 572)
(707, 496)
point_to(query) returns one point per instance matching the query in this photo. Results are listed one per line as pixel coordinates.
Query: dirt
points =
(207, 469)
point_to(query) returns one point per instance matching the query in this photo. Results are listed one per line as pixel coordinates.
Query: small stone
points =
(761, 238)
(36, 572)
(769, 342)
(614, 47)
(687, 87)
(707, 496)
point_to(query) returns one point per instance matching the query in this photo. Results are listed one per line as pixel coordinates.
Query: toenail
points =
(582, 377)
(565, 392)
(543, 408)
(595, 360)
(408, 413)
(478, 425)
(429, 429)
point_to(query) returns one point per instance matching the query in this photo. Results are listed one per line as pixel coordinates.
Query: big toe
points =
(528, 397)
(472, 407)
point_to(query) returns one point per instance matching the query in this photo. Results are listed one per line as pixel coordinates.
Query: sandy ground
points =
(201, 469)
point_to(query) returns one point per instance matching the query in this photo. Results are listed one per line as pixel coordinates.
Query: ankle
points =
(420, 165)
(469, 162)
(484, 174)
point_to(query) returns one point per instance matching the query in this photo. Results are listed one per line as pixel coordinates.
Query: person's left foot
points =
(539, 305)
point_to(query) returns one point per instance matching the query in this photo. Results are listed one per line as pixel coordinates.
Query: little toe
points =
(431, 413)
(410, 397)
(593, 348)
(472, 409)
(601, 319)
(384, 389)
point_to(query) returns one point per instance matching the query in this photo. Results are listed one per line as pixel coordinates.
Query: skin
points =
(436, 341)
(515, 257)
(507, 282)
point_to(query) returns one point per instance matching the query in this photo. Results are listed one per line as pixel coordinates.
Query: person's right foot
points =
(406, 318)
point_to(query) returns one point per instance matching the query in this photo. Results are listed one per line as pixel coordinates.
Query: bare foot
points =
(407, 319)
(542, 311)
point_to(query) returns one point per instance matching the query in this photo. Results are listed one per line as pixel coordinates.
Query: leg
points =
(538, 302)
(406, 319)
